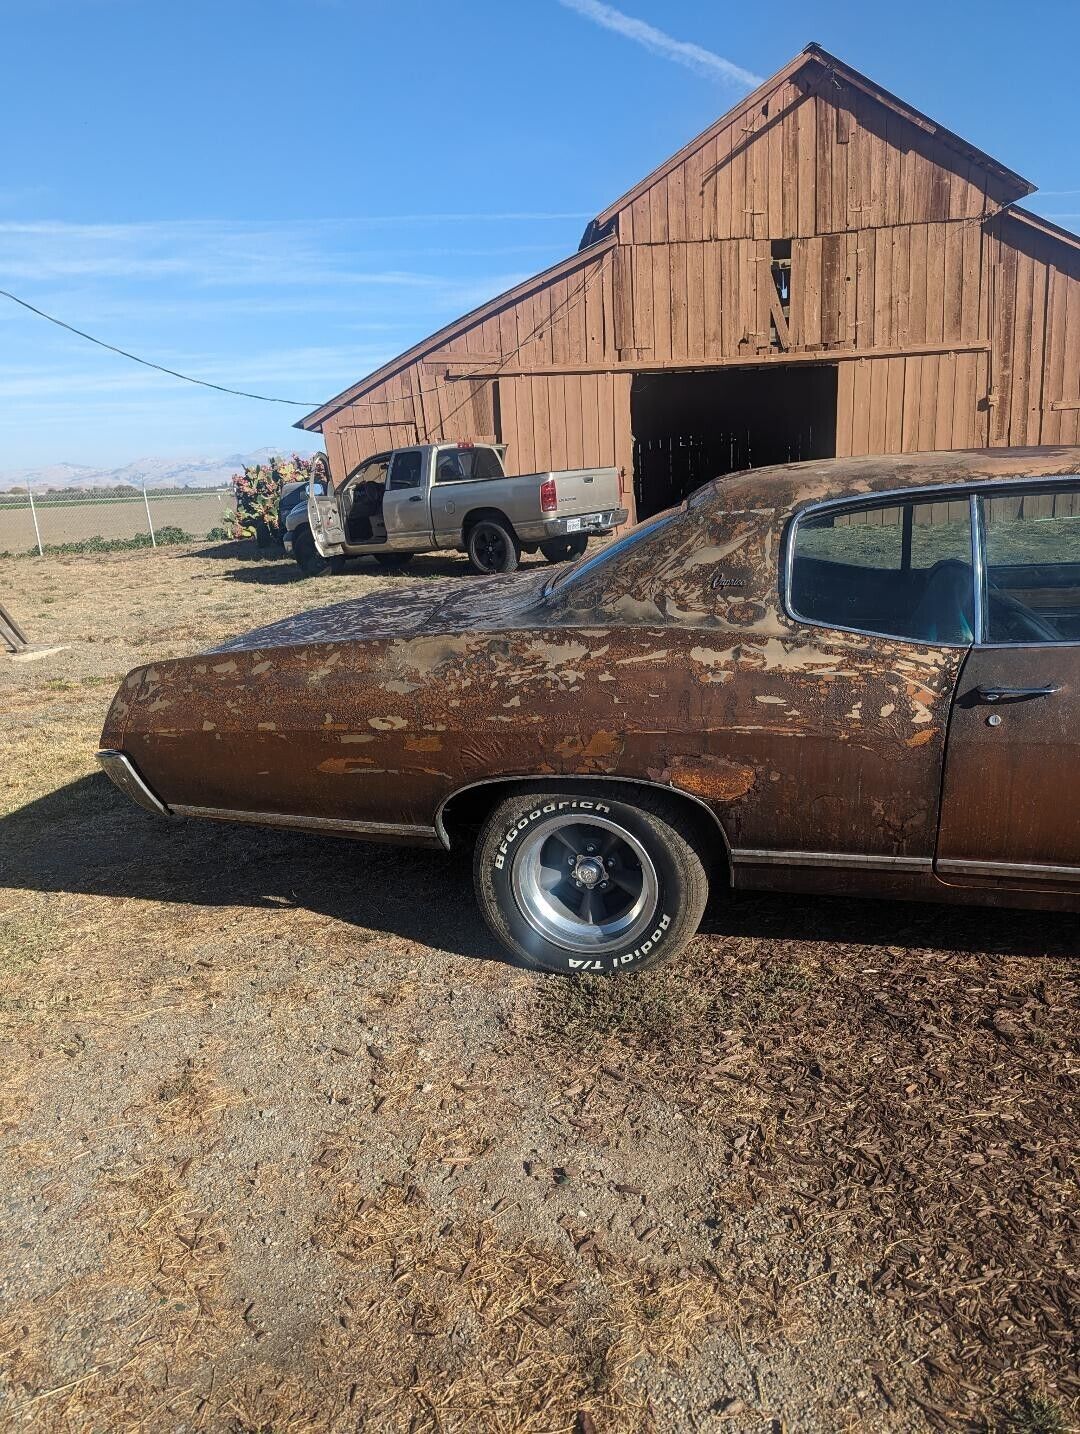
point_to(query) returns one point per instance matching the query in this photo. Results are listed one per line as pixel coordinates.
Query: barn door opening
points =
(690, 427)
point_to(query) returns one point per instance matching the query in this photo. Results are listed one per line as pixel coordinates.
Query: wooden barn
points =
(825, 271)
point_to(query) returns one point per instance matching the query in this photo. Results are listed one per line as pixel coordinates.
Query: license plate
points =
(573, 525)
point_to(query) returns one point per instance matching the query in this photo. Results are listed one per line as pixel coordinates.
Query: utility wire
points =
(186, 377)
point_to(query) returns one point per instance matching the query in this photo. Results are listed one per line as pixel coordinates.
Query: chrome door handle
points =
(1014, 694)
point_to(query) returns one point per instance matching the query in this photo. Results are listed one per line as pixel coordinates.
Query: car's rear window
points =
(466, 465)
(594, 564)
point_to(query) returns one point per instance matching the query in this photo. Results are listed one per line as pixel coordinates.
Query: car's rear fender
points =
(464, 810)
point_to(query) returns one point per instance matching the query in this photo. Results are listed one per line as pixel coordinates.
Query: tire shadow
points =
(87, 838)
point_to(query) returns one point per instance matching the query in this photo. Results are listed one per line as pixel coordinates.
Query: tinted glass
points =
(405, 470)
(1032, 544)
(898, 569)
(463, 465)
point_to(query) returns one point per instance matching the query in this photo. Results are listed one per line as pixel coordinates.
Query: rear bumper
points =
(122, 770)
(589, 524)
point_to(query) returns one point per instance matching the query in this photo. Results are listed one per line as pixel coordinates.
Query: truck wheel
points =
(561, 550)
(312, 563)
(393, 560)
(580, 880)
(492, 547)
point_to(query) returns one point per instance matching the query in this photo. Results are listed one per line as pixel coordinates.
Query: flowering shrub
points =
(258, 490)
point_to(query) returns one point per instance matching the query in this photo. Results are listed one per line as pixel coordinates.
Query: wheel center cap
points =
(588, 871)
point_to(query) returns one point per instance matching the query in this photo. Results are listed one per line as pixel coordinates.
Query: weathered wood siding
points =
(952, 325)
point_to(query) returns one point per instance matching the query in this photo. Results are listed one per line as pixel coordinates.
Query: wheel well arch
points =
(477, 515)
(468, 806)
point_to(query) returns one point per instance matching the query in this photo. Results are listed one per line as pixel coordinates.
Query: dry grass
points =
(281, 1150)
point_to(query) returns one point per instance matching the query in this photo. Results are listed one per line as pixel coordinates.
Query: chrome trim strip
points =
(978, 566)
(1028, 870)
(122, 771)
(762, 856)
(329, 826)
(553, 779)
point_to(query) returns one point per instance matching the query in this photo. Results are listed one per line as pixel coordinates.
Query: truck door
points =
(1012, 768)
(323, 512)
(406, 511)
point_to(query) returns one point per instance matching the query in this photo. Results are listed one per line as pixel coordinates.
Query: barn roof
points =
(598, 236)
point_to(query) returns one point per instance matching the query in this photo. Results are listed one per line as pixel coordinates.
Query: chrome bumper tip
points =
(122, 771)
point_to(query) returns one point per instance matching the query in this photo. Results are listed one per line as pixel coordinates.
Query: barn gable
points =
(824, 270)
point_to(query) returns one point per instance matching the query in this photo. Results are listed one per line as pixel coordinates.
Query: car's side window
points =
(898, 569)
(1031, 545)
(405, 470)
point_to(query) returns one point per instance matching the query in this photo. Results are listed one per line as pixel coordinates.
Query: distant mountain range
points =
(154, 472)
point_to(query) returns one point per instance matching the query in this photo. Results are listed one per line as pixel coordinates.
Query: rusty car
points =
(856, 676)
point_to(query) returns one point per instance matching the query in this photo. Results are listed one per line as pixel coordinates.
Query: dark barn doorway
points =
(692, 426)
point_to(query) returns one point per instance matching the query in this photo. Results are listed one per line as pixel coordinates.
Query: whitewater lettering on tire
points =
(612, 963)
(582, 804)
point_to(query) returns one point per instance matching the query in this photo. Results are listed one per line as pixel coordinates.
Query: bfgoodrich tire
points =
(584, 880)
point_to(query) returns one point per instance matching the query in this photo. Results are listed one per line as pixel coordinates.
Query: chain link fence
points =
(42, 521)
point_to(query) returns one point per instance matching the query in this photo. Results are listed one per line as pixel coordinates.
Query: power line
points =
(146, 363)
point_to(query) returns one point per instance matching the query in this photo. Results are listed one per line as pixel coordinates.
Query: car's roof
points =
(791, 484)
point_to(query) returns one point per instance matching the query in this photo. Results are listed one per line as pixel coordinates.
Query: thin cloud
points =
(680, 52)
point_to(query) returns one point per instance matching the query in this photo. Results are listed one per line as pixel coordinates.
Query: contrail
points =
(682, 52)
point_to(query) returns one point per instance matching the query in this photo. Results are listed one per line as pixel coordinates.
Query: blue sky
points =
(281, 194)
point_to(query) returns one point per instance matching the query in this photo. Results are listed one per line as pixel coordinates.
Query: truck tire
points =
(633, 886)
(492, 546)
(312, 563)
(393, 560)
(561, 550)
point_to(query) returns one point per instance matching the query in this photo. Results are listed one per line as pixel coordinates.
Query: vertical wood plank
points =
(909, 439)
(894, 406)
(661, 288)
(695, 299)
(677, 290)
(624, 441)
(845, 393)
(860, 405)
(806, 128)
(575, 398)
(676, 205)
(692, 196)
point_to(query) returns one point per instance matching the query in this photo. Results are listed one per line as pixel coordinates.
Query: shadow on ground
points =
(87, 838)
(272, 568)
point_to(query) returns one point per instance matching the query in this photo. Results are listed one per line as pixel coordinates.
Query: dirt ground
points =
(286, 1146)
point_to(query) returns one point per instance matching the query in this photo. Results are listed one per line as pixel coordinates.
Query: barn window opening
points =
(780, 317)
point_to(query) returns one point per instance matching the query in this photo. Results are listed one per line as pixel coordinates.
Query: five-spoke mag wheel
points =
(591, 877)
(588, 885)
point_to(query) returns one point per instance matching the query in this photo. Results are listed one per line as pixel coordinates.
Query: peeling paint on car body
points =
(670, 661)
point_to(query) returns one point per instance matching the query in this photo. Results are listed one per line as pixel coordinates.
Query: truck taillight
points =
(549, 499)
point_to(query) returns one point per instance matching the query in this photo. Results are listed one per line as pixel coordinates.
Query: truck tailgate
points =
(586, 490)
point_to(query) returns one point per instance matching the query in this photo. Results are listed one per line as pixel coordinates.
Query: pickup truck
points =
(450, 496)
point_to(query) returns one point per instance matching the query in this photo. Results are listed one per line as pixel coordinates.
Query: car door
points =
(405, 501)
(324, 516)
(879, 592)
(1010, 811)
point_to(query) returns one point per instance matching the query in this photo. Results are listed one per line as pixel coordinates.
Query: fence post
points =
(149, 520)
(33, 514)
